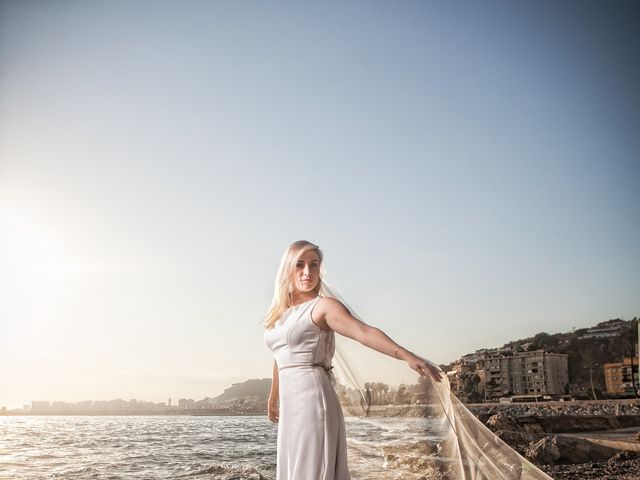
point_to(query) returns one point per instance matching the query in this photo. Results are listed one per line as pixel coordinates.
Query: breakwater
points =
(554, 409)
(610, 408)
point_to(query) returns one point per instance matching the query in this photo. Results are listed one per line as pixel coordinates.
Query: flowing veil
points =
(404, 426)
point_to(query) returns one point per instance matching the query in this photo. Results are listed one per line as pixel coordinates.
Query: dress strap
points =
(312, 306)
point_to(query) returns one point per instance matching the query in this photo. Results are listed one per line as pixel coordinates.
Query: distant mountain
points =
(249, 388)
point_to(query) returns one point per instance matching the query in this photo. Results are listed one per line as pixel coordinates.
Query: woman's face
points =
(307, 272)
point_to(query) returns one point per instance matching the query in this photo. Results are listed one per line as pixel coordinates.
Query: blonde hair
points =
(284, 280)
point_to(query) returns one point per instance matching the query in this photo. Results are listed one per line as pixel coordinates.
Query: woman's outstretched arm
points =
(330, 313)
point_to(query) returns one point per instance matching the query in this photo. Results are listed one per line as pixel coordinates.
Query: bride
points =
(300, 332)
(300, 324)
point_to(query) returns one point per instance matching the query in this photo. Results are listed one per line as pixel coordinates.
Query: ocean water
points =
(168, 447)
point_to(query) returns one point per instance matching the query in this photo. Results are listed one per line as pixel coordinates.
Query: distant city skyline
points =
(470, 172)
(596, 331)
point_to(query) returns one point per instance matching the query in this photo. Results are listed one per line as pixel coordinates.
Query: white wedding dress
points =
(311, 432)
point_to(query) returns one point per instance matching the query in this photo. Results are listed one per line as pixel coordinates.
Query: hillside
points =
(258, 388)
(587, 356)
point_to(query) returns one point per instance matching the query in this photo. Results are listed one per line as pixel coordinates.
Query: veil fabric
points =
(404, 426)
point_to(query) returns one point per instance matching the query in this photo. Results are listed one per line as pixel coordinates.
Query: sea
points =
(173, 447)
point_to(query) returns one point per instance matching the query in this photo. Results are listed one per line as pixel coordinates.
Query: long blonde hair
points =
(284, 280)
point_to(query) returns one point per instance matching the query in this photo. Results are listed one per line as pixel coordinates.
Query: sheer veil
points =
(403, 426)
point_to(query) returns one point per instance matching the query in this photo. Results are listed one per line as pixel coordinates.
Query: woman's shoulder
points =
(329, 303)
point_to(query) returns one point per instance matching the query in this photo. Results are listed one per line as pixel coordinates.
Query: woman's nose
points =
(306, 270)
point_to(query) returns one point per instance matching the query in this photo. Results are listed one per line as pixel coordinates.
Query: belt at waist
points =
(298, 365)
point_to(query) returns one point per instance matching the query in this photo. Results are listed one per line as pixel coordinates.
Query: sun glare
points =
(32, 263)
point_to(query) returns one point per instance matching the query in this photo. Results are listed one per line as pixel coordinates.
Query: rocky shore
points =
(555, 409)
(590, 440)
(614, 469)
(576, 440)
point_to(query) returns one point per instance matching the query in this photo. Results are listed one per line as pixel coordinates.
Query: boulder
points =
(519, 441)
(414, 457)
(503, 421)
(561, 450)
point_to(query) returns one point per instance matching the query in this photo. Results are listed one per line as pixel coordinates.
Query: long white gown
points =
(311, 432)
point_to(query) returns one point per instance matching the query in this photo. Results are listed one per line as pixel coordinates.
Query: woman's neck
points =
(297, 299)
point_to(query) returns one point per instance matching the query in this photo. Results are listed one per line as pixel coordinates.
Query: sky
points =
(470, 170)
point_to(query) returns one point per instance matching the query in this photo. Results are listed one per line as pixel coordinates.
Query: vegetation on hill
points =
(254, 387)
(587, 356)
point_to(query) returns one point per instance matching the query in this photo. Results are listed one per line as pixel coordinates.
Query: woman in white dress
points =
(300, 332)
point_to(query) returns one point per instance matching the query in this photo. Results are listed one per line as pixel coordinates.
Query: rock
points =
(519, 441)
(558, 408)
(414, 457)
(619, 470)
(422, 458)
(503, 421)
(625, 455)
(533, 424)
(557, 449)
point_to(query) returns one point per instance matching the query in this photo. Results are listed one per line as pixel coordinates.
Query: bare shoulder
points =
(332, 314)
(328, 308)
(329, 305)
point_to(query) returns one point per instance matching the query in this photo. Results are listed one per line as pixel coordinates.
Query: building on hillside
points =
(565, 339)
(526, 373)
(500, 350)
(621, 378)
(610, 328)
(477, 356)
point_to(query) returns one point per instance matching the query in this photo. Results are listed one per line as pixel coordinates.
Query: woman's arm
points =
(334, 315)
(274, 395)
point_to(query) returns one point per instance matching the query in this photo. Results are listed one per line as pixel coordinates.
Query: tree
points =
(401, 395)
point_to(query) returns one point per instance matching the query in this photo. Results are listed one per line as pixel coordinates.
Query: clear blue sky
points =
(470, 169)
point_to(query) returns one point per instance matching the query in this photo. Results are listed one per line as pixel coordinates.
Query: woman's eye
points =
(311, 265)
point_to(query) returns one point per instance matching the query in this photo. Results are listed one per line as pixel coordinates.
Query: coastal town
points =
(590, 364)
(567, 402)
(596, 363)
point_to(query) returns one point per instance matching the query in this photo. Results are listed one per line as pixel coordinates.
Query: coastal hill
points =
(248, 397)
(249, 388)
(588, 349)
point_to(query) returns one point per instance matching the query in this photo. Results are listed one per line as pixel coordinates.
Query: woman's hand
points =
(273, 412)
(424, 368)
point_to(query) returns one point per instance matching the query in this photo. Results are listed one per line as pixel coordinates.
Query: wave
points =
(224, 471)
